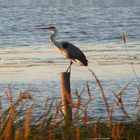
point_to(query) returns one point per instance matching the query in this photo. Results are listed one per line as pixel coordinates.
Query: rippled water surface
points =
(77, 24)
(27, 60)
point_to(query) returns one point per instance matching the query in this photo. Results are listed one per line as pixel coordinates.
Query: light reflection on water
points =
(94, 26)
(40, 90)
(109, 61)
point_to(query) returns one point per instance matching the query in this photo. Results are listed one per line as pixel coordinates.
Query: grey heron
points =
(67, 49)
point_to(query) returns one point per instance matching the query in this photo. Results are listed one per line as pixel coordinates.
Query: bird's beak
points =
(43, 28)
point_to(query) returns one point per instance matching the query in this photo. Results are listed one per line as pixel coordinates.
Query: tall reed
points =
(19, 122)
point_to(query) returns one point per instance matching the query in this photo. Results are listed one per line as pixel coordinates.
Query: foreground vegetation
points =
(23, 120)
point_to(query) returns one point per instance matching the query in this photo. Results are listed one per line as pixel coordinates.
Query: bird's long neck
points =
(52, 37)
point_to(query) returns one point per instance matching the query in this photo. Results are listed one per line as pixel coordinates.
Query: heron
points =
(69, 50)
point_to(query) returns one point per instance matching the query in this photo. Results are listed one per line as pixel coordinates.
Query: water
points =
(28, 60)
(96, 24)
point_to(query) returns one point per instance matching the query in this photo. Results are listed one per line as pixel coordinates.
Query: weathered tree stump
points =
(66, 95)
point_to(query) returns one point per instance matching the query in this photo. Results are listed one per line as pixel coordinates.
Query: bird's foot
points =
(69, 68)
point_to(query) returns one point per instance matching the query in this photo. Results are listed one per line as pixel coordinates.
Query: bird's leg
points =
(69, 68)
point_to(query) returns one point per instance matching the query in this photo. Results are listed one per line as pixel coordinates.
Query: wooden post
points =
(66, 95)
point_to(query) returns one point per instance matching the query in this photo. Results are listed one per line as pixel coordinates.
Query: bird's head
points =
(51, 28)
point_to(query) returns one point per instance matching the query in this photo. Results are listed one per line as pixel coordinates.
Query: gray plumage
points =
(74, 53)
(67, 49)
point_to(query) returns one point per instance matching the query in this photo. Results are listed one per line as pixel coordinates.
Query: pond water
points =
(27, 60)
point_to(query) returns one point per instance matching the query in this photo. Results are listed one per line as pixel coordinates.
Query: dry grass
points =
(19, 122)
